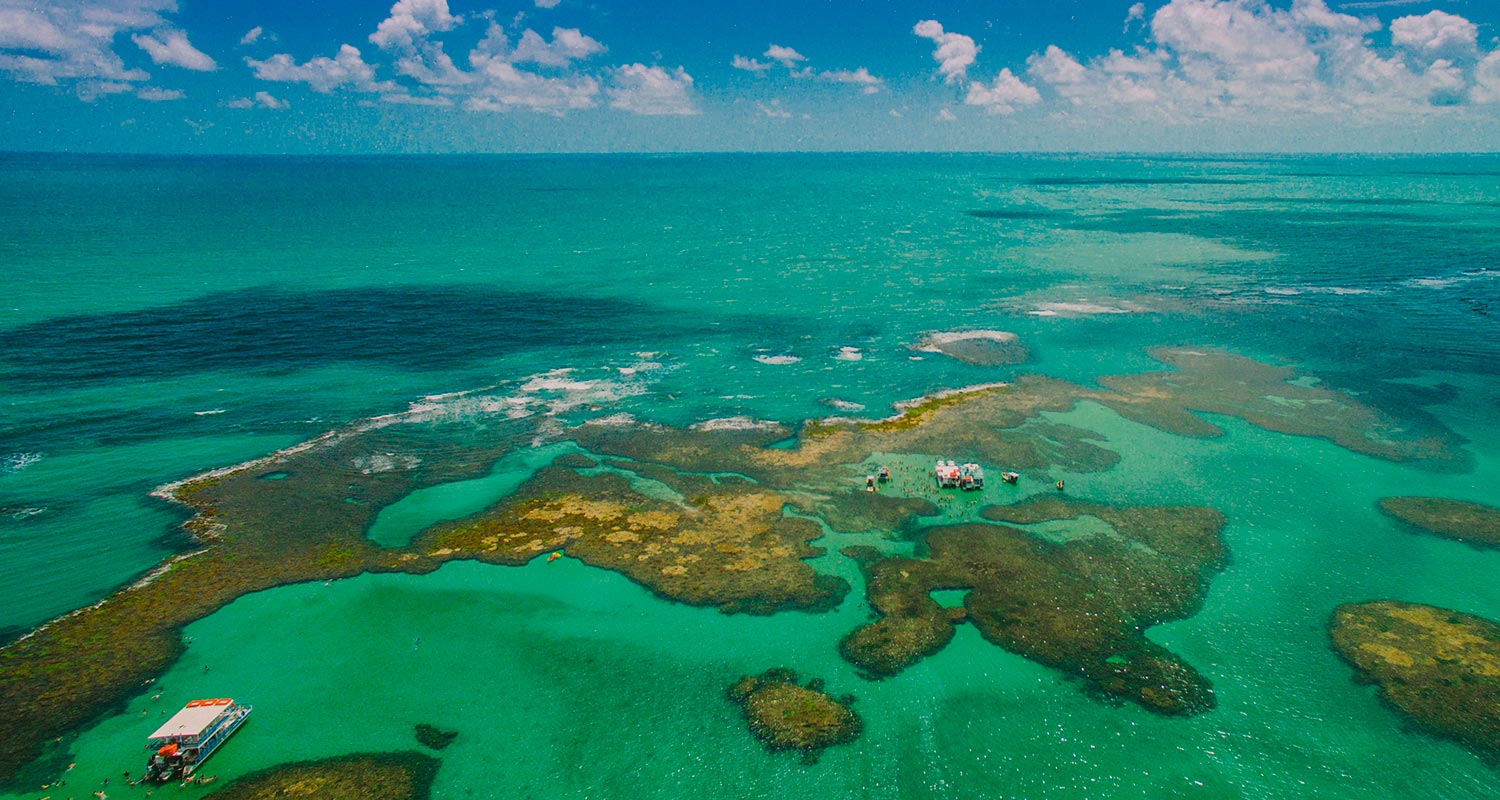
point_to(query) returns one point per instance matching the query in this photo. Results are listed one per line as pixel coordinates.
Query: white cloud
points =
(786, 56)
(499, 86)
(252, 36)
(749, 64)
(172, 48)
(322, 74)
(152, 94)
(1436, 33)
(547, 3)
(1250, 60)
(1487, 80)
(652, 91)
(260, 100)
(1136, 13)
(944, 115)
(74, 41)
(859, 77)
(1005, 96)
(774, 110)
(567, 45)
(955, 52)
(411, 21)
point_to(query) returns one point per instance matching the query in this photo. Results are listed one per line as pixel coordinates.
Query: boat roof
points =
(193, 719)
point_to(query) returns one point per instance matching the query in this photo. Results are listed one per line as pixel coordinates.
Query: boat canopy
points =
(194, 718)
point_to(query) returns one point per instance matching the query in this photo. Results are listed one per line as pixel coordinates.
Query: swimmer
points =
(1059, 486)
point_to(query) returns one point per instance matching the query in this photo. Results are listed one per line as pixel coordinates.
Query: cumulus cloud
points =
(260, 100)
(1487, 80)
(652, 91)
(567, 45)
(859, 77)
(1436, 33)
(500, 86)
(411, 21)
(944, 115)
(172, 48)
(547, 3)
(749, 64)
(955, 52)
(1218, 59)
(321, 74)
(1007, 94)
(49, 43)
(252, 36)
(785, 56)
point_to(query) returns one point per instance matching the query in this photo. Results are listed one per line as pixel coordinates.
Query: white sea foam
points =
(849, 354)
(843, 405)
(778, 361)
(15, 462)
(209, 413)
(23, 513)
(1339, 291)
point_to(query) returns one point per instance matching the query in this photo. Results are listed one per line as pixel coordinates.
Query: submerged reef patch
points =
(1438, 667)
(1080, 606)
(1471, 523)
(785, 715)
(433, 737)
(366, 776)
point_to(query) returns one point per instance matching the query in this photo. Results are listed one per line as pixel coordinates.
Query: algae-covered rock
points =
(1439, 667)
(786, 715)
(1470, 523)
(1080, 605)
(373, 776)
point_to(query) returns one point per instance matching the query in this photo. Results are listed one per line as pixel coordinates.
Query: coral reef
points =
(980, 347)
(1080, 606)
(1439, 667)
(1470, 523)
(785, 715)
(372, 776)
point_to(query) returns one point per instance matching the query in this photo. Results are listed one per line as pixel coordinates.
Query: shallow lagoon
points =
(566, 681)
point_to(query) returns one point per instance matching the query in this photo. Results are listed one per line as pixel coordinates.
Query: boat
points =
(971, 477)
(186, 740)
(948, 474)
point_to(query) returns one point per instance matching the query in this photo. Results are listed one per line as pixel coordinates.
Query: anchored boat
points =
(192, 735)
(948, 474)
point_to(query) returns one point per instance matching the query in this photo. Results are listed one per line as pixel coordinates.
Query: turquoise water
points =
(166, 316)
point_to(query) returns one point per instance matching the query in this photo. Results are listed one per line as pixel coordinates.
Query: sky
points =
(522, 76)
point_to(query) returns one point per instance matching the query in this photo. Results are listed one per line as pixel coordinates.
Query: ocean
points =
(163, 316)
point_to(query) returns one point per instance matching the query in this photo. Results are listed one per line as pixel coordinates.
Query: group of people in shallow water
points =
(883, 475)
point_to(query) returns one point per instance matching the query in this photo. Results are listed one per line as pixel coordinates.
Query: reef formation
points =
(1471, 523)
(366, 776)
(433, 737)
(980, 347)
(786, 715)
(1080, 605)
(1438, 667)
(719, 515)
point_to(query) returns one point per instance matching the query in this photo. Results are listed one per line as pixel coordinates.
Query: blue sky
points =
(236, 76)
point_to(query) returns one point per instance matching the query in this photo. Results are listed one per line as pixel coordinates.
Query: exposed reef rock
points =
(726, 544)
(1436, 666)
(375, 776)
(1470, 523)
(785, 715)
(983, 348)
(1080, 606)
